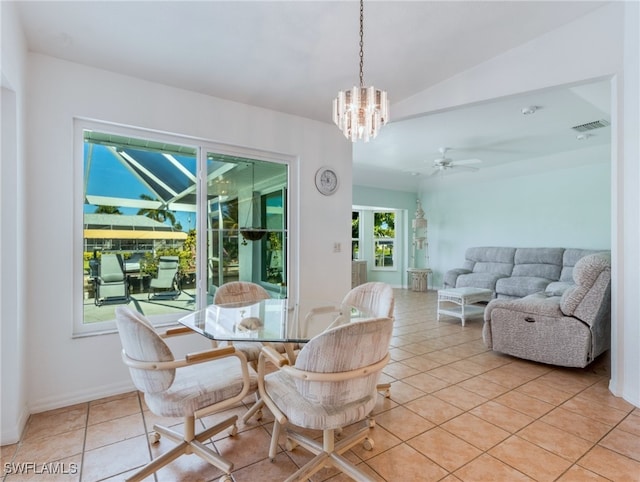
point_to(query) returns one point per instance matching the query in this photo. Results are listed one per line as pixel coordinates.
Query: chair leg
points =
(386, 388)
(256, 408)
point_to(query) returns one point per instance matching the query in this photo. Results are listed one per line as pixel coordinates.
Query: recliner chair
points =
(569, 330)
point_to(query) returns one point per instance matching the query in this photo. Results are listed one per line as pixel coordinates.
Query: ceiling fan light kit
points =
(361, 111)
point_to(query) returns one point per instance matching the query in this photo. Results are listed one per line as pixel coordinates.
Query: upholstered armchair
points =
(330, 387)
(193, 387)
(569, 330)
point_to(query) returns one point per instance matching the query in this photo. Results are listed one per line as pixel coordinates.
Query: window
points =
(384, 239)
(143, 205)
(355, 234)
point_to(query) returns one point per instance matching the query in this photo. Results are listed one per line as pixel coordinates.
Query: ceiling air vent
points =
(589, 126)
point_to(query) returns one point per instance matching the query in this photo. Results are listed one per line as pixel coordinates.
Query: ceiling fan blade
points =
(464, 162)
(466, 168)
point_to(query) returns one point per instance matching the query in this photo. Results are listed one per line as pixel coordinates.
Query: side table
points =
(464, 298)
(419, 278)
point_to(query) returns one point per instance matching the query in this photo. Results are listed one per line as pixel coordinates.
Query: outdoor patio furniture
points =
(166, 284)
(111, 284)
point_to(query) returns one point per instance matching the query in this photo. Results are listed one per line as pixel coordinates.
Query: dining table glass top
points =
(270, 320)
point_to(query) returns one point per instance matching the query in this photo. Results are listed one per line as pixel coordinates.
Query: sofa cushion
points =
(479, 280)
(520, 286)
(497, 260)
(569, 260)
(538, 263)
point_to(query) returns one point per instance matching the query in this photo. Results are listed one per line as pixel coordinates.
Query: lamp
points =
(361, 111)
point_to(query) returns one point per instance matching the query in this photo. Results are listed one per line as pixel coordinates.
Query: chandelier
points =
(361, 111)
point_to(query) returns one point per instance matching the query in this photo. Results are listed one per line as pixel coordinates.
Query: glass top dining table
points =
(270, 320)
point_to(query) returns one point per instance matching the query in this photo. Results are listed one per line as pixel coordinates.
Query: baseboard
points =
(81, 396)
(12, 434)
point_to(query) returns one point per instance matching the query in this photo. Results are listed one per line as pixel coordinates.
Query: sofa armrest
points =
(451, 276)
(535, 304)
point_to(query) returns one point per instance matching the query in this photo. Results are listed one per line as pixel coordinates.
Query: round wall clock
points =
(326, 181)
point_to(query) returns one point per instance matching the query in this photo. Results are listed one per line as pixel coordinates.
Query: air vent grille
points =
(589, 126)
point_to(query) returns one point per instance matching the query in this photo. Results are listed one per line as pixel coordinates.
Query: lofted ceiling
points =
(293, 57)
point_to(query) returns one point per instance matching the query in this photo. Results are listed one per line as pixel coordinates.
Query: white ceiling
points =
(293, 57)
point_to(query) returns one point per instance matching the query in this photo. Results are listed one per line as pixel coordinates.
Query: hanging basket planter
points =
(253, 234)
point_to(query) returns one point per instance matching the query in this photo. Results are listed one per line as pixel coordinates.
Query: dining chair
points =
(198, 385)
(331, 386)
(374, 299)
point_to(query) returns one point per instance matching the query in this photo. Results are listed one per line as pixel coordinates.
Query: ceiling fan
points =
(444, 163)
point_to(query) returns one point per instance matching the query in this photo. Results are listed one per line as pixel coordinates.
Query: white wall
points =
(66, 370)
(569, 208)
(13, 393)
(603, 44)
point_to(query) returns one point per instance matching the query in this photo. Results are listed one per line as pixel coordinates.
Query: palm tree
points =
(107, 210)
(160, 215)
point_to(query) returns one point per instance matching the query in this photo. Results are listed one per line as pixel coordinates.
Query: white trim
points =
(13, 433)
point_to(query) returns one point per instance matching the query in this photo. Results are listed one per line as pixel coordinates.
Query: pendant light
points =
(361, 111)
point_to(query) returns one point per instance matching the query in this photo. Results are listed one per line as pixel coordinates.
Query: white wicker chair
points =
(194, 387)
(330, 387)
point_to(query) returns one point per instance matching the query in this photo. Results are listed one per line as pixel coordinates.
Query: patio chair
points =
(111, 285)
(196, 386)
(331, 386)
(166, 284)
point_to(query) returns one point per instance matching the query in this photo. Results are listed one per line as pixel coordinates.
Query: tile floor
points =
(456, 412)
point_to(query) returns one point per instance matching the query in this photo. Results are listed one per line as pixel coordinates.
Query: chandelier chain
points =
(361, 43)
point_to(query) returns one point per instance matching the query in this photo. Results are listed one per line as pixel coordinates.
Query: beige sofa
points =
(568, 330)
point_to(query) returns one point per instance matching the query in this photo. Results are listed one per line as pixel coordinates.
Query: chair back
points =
(167, 271)
(240, 292)
(348, 347)
(374, 298)
(590, 298)
(140, 342)
(111, 268)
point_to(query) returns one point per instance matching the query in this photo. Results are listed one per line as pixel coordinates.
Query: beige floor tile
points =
(576, 424)
(487, 468)
(445, 449)
(49, 449)
(281, 468)
(504, 417)
(631, 424)
(506, 377)
(476, 431)
(491, 359)
(624, 443)
(109, 410)
(7, 452)
(57, 421)
(583, 405)
(112, 431)
(402, 392)
(569, 381)
(382, 439)
(611, 465)
(580, 474)
(468, 367)
(530, 459)
(545, 392)
(115, 459)
(188, 468)
(403, 423)
(460, 397)
(399, 354)
(555, 440)
(449, 374)
(421, 363)
(237, 449)
(600, 393)
(524, 403)
(484, 388)
(442, 357)
(426, 383)
(434, 409)
(399, 370)
(405, 463)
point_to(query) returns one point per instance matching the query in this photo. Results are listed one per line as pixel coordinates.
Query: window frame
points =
(375, 239)
(203, 146)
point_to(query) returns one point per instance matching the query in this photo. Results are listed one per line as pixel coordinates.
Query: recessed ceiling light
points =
(582, 137)
(529, 109)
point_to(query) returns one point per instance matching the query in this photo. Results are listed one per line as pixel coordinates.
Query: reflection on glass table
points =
(271, 320)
